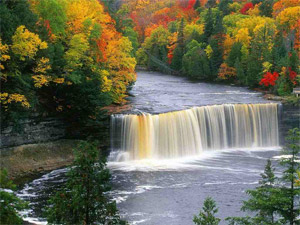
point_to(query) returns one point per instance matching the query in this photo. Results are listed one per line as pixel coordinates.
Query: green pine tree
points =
(290, 208)
(279, 53)
(207, 215)
(234, 54)
(82, 199)
(266, 8)
(224, 6)
(294, 61)
(208, 25)
(217, 57)
(240, 74)
(275, 203)
(268, 177)
(10, 203)
(254, 70)
(211, 4)
(179, 50)
(195, 62)
(264, 199)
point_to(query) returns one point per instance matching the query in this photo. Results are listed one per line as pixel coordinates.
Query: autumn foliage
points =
(226, 72)
(269, 79)
(75, 57)
(246, 7)
(218, 40)
(66, 51)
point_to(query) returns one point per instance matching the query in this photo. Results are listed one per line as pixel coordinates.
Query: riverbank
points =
(28, 161)
(153, 93)
(289, 99)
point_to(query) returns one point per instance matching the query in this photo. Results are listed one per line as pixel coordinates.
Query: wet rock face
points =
(41, 130)
(32, 130)
(289, 117)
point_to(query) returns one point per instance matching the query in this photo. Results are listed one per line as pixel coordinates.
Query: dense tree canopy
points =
(235, 39)
(56, 52)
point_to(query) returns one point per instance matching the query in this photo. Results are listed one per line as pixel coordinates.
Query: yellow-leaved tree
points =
(3, 54)
(25, 44)
(121, 65)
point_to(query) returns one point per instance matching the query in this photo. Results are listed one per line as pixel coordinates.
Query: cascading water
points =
(189, 132)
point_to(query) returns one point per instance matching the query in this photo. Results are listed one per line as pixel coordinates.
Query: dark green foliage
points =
(82, 199)
(216, 43)
(239, 71)
(239, 220)
(273, 202)
(197, 4)
(208, 25)
(14, 13)
(10, 203)
(55, 52)
(211, 3)
(218, 27)
(266, 8)
(224, 6)
(80, 102)
(207, 215)
(283, 86)
(179, 50)
(294, 61)
(256, 1)
(53, 13)
(112, 6)
(177, 59)
(195, 62)
(157, 58)
(268, 177)
(290, 208)
(279, 53)
(217, 56)
(235, 54)
(85, 98)
(264, 199)
(254, 71)
(133, 37)
(124, 24)
(172, 27)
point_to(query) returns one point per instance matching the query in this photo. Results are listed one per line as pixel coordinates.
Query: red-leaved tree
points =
(292, 76)
(269, 79)
(246, 7)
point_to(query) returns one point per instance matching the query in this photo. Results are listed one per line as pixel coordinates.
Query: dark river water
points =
(156, 93)
(160, 192)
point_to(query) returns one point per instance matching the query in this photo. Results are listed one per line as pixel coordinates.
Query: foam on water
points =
(184, 163)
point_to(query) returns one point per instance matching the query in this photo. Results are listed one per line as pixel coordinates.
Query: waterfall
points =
(191, 131)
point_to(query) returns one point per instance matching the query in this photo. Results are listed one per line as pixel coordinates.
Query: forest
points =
(72, 58)
(253, 43)
(211, 40)
(62, 58)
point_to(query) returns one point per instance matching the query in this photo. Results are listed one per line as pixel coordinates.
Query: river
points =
(171, 190)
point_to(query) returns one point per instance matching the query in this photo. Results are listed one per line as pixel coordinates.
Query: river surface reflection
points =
(156, 93)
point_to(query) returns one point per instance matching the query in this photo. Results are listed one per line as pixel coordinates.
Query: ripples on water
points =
(159, 192)
(168, 191)
(156, 93)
